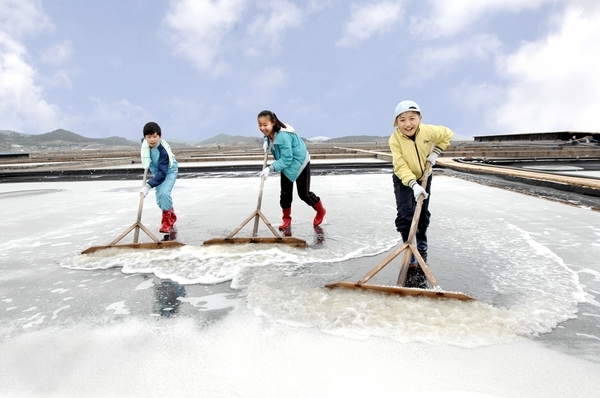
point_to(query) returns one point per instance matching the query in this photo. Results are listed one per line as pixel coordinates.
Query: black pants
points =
(405, 206)
(303, 187)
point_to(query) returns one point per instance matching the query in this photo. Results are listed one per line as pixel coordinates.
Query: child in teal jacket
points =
(157, 156)
(293, 161)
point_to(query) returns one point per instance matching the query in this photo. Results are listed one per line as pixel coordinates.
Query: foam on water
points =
(206, 264)
(523, 288)
(299, 301)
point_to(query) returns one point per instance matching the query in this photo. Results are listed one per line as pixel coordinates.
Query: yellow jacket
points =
(410, 156)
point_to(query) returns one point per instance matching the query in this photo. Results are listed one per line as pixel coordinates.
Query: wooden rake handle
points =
(260, 194)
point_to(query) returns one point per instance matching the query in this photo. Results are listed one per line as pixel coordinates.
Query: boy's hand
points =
(418, 191)
(144, 191)
(432, 158)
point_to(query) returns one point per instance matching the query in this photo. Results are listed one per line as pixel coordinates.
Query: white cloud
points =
(270, 79)
(273, 18)
(22, 104)
(447, 18)
(23, 17)
(554, 84)
(61, 78)
(117, 110)
(267, 87)
(117, 118)
(368, 20)
(58, 53)
(432, 60)
(196, 28)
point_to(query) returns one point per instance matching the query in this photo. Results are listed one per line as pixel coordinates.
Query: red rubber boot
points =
(320, 213)
(165, 224)
(287, 218)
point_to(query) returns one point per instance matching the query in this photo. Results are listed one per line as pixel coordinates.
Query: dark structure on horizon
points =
(549, 136)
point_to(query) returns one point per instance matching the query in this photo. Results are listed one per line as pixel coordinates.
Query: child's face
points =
(408, 122)
(265, 124)
(152, 139)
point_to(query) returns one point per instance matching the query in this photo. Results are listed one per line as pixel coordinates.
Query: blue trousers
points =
(163, 192)
(405, 207)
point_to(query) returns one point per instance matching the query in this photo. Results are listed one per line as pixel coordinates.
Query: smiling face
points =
(152, 139)
(408, 122)
(265, 124)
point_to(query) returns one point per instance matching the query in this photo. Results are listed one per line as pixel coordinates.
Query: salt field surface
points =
(257, 321)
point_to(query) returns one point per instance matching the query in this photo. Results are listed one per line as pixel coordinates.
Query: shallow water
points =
(255, 320)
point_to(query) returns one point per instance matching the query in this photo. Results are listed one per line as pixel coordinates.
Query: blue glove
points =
(265, 173)
(145, 189)
(266, 146)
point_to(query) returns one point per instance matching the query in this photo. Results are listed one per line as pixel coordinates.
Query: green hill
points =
(225, 139)
(358, 138)
(59, 137)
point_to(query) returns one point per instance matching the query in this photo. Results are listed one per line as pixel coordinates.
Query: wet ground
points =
(250, 320)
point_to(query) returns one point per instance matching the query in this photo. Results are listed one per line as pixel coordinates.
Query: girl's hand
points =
(265, 173)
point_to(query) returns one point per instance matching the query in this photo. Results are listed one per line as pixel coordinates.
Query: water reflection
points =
(171, 235)
(167, 295)
(319, 236)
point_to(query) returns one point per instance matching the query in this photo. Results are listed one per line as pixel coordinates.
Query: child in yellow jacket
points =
(412, 145)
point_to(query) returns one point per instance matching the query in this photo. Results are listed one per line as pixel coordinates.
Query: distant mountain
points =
(58, 138)
(64, 139)
(319, 139)
(180, 143)
(378, 138)
(225, 139)
(9, 134)
(359, 138)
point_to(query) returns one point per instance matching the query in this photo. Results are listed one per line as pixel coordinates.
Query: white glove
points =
(418, 190)
(266, 146)
(145, 189)
(432, 158)
(265, 173)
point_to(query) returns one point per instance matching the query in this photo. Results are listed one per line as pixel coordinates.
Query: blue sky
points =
(327, 67)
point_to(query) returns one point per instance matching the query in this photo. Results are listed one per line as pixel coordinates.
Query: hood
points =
(289, 129)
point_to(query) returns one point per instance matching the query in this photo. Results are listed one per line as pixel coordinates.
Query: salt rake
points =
(410, 249)
(256, 215)
(155, 244)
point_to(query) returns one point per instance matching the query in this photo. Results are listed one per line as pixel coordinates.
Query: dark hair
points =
(151, 128)
(278, 124)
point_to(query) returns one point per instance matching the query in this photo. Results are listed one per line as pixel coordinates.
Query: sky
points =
(330, 68)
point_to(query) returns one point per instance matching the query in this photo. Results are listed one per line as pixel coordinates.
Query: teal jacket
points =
(290, 153)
